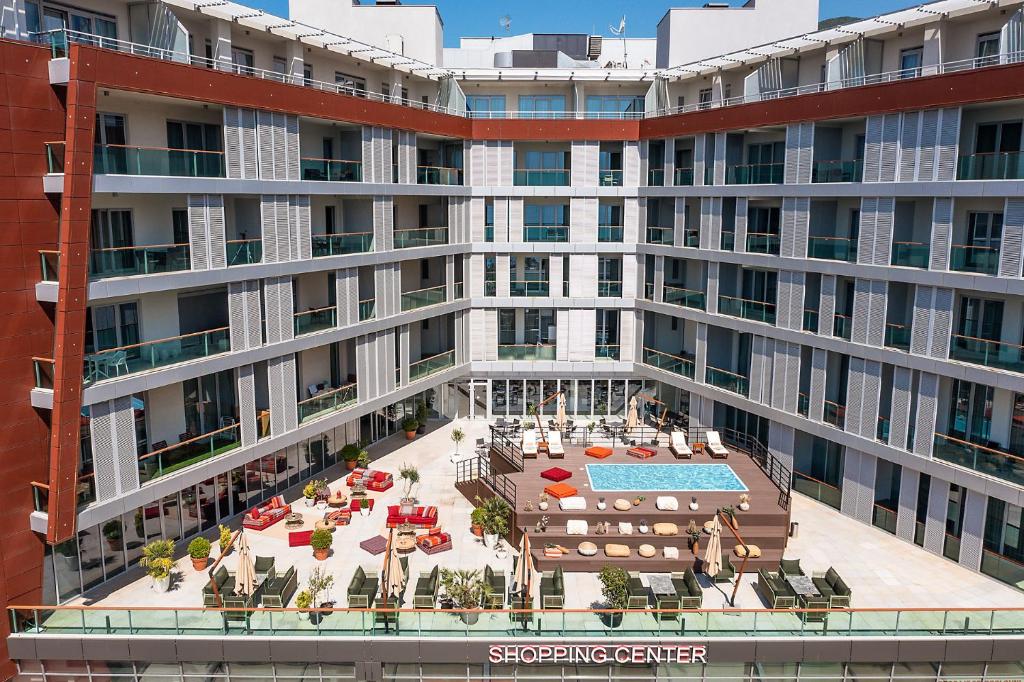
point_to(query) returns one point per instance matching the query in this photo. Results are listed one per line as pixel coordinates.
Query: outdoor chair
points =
(727, 572)
(496, 599)
(790, 567)
(775, 590)
(688, 590)
(637, 592)
(678, 446)
(265, 566)
(362, 589)
(278, 590)
(426, 590)
(715, 447)
(833, 588)
(552, 589)
(225, 585)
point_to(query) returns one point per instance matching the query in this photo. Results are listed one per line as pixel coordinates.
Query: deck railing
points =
(189, 451)
(146, 355)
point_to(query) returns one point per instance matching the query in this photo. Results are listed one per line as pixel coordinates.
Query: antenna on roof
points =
(621, 32)
(506, 23)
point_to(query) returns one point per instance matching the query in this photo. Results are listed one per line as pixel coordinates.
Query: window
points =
(911, 60)
(242, 60)
(1017, 425)
(351, 85)
(112, 326)
(506, 326)
(535, 215)
(766, 153)
(980, 319)
(541, 106)
(986, 51)
(984, 230)
(614, 106)
(1004, 137)
(680, 102)
(489, 219)
(970, 411)
(179, 225)
(609, 215)
(279, 65)
(424, 269)
(307, 74)
(208, 54)
(485, 106)
(385, 91)
(110, 130)
(704, 98)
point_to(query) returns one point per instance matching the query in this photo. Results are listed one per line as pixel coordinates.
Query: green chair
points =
(833, 588)
(775, 590)
(727, 572)
(552, 589)
(362, 589)
(225, 585)
(637, 592)
(264, 566)
(496, 599)
(790, 567)
(426, 590)
(688, 590)
(278, 591)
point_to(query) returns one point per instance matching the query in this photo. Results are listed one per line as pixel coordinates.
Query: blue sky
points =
(480, 17)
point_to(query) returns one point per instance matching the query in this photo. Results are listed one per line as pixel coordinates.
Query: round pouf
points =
(587, 549)
(750, 551)
(646, 551)
(326, 524)
(623, 505)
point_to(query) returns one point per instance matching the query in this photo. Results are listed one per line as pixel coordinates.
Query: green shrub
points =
(614, 587)
(199, 548)
(321, 539)
(409, 424)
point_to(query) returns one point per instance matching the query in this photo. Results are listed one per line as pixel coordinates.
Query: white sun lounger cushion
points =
(576, 527)
(666, 503)
(575, 503)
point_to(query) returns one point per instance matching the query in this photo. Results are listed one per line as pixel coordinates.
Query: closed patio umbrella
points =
(394, 576)
(560, 415)
(631, 418)
(524, 569)
(713, 556)
(245, 578)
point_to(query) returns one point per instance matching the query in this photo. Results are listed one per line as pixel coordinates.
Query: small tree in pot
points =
(411, 476)
(467, 590)
(158, 562)
(309, 491)
(458, 435)
(409, 425)
(224, 541)
(496, 519)
(321, 541)
(476, 521)
(421, 417)
(615, 590)
(350, 453)
(199, 550)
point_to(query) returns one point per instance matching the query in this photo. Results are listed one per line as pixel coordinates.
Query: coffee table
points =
(661, 585)
(294, 520)
(405, 538)
(803, 586)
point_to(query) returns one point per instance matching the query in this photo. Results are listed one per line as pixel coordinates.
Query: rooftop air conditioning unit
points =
(594, 47)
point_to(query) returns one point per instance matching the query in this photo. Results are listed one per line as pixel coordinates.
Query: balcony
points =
(49, 265)
(989, 461)
(435, 363)
(548, 177)
(842, 326)
(437, 175)
(687, 298)
(882, 430)
(42, 370)
(659, 235)
(897, 336)
(760, 242)
(367, 310)
(606, 351)
(983, 260)
(610, 177)
(421, 298)
(832, 248)
(341, 244)
(810, 320)
(608, 288)
(420, 236)
(526, 351)
(142, 357)
(670, 363)
(754, 174)
(993, 166)
(758, 311)
(244, 251)
(316, 320)
(54, 156)
(656, 177)
(838, 171)
(528, 287)
(803, 404)
(116, 159)
(326, 402)
(986, 352)
(125, 261)
(546, 233)
(691, 238)
(834, 414)
(727, 242)
(331, 170)
(910, 254)
(818, 490)
(683, 177)
(609, 233)
(188, 452)
(724, 379)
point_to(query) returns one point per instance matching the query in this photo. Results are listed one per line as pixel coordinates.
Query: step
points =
(559, 536)
(575, 563)
(681, 518)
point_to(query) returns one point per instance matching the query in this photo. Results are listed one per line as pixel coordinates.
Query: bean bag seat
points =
(625, 528)
(576, 527)
(560, 490)
(641, 452)
(646, 551)
(375, 545)
(340, 517)
(572, 503)
(299, 538)
(665, 529)
(587, 549)
(556, 474)
(434, 541)
(616, 551)
(666, 503)
(671, 552)
(598, 452)
(622, 505)
(749, 551)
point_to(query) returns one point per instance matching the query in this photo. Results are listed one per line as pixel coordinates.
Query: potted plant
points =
(476, 521)
(421, 417)
(458, 435)
(467, 590)
(224, 541)
(363, 460)
(199, 550)
(590, 431)
(744, 504)
(158, 562)
(638, 499)
(350, 453)
(114, 534)
(310, 492)
(321, 541)
(411, 476)
(615, 590)
(694, 534)
(303, 601)
(410, 425)
(730, 516)
(495, 519)
(601, 504)
(543, 502)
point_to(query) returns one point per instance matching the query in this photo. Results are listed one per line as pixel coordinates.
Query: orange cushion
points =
(598, 452)
(560, 490)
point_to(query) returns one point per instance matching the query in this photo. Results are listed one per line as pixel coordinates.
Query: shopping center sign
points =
(597, 653)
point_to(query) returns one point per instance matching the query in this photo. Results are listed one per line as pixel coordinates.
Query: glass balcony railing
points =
(810, 320)
(842, 326)
(331, 170)
(758, 311)
(125, 261)
(838, 171)
(341, 244)
(606, 351)
(54, 156)
(834, 414)
(610, 177)
(803, 404)
(607, 288)
(244, 251)
(141, 357)
(42, 370)
(114, 159)
(188, 452)
(994, 166)
(1002, 567)
(687, 298)
(987, 352)
(818, 490)
(832, 248)
(431, 365)
(910, 254)
(420, 236)
(897, 336)
(526, 351)
(683, 177)
(983, 260)
(317, 320)
(1002, 465)
(490, 288)
(730, 381)
(649, 291)
(675, 364)
(546, 233)
(459, 290)
(488, 233)
(885, 518)
(761, 242)
(656, 177)
(326, 402)
(754, 174)
(411, 300)
(49, 265)
(882, 430)
(547, 177)
(659, 235)
(609, 233)
(367, 309)
(728, 240)
(435, 175)
(691, 238)
(528, 287)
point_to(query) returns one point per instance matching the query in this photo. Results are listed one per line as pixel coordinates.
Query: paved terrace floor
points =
(881, 570)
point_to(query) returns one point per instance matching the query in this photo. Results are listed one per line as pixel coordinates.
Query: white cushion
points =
(671, 552)
(575, 503)
(576, 526)
(587, 549)
(625, 528)
(667, 503)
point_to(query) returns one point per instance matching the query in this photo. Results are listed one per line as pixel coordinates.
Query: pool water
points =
(664, 477)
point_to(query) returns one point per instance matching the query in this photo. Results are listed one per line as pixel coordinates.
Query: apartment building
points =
(245, 241)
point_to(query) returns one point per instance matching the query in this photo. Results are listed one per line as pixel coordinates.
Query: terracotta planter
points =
(350, 464)
(477, 529)
(200, 564)
(409, 435)
(321, 554)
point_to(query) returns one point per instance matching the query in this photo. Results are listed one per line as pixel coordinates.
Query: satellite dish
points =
(506, 23)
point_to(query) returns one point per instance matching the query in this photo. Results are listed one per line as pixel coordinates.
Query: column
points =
(906, 514)
(281, 384)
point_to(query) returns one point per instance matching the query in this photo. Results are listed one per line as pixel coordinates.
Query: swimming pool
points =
(664, 477)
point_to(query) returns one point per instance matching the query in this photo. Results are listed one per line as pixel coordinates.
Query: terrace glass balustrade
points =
(838, 171)
(115, 159)
(687, 298)
(367, 309)
(420, 236)
(421, 298)
(818, 490)
(691, 238)
(675, 364)
(993, 166)
(897, 336)
(983, 260)
(760, 242)
(727, 241)
(49, 265)
(910, 254)
(610, 177)
(608, 288)
(659, 235)
(546, 233)
(538, 177)
(803, 404)
(810, 323)
(834, 414)
(528, 287)
(125, 261)
(656, 177)
(317, 320)
(244, 251)
(606, 351)
(54, 156)
(437, 175)
(683, 177)
(985, 352)
(832, 248)
(141, 357)
(432, 365)
(754, 174)
(1003, 465)
(326, 402)
(188, 452)
(609, 233)
(526, 351)
(341, 244)
(842, 326)
(758, 311)
(331, 170)
(724, 379)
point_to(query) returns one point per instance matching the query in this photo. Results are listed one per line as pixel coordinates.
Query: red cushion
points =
(560, 490)
(299, 538)
(379, 476)
(255, 514)
(598, 452)
(556, 474)
(434, 531)
(355, 505)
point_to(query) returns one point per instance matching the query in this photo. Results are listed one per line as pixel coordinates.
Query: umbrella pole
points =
(386, 578)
